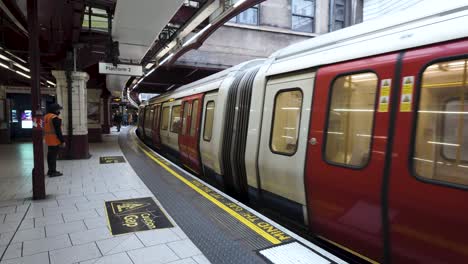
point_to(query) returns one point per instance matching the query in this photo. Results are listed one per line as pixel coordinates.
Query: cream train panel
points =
(255, 125)
(284, 132)
(168, 138)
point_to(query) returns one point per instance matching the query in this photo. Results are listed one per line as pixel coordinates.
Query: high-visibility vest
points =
(50, 136)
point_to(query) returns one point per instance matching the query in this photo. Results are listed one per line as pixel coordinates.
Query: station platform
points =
(128, 204)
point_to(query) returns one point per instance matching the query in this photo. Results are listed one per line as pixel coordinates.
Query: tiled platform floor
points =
(70, 225)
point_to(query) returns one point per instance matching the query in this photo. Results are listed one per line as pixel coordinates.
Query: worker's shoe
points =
(55, 174)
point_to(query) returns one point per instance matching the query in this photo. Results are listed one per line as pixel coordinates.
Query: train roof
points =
(202, 85)
(387, 34)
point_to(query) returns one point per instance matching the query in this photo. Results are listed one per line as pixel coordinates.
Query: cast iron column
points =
(34, 62)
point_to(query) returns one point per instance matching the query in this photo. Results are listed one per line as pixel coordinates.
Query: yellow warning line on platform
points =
(230, 211)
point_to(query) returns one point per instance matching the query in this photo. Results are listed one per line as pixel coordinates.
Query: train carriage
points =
(361, 135)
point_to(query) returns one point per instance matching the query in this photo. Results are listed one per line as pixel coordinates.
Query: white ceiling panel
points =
(136, 25)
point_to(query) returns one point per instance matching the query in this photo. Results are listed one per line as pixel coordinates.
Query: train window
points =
(286, 121)
(351, 119)
(209, 116)
(165, 118)
(175, 119)
(193, 126)
(441, 143)
(187, 113)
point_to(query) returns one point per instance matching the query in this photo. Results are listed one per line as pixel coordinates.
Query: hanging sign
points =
(120, 69)
(384, 95)
(407, 94)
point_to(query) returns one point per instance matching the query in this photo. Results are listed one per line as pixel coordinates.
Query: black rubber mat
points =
(220, 237)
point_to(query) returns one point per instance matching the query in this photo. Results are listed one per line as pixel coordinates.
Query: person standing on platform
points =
(53, 138)
(125, 118)
(118, 120)
(130, 118)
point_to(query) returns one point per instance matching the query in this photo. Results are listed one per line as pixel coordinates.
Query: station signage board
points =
(133, 215)
(111, 159)
(120, 69)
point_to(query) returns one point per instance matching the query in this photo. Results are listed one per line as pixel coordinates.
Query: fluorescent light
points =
(290, 108)
(425, 160)
(23, 74)
(166, 59)
(335, 133)
(443, 143)
(139, 81)
(196, 35)
(443, 112)
(149, 65)
(353, 110)
(287, 137)
(4, 58)
(4, 66)
(51, 83)
(21, 66)
(150, 72)
(16, 57)
(238, 3)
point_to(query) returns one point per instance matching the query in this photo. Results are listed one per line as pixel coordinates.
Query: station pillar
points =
(4, 117)
(76, 139)
(94, 115)
(106, 115)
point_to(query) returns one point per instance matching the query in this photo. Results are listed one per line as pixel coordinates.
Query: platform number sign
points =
(133, 215)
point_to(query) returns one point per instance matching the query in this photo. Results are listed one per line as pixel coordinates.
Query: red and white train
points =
(361, 135)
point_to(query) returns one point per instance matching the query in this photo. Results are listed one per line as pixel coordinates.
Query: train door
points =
(156, 124)
(189, 135)
(149, 113)
(346, 153)
(283, 142)
(428, 184)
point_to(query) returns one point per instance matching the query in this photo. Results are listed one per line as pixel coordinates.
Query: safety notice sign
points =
(133, 215)
(407, 94)
(384, 98)
(111, 159)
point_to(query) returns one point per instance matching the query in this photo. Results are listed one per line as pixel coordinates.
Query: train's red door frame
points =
(424, 216)
(188, 141)
(346, 199)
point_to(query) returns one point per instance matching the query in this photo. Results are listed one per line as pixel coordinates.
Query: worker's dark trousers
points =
(52, 153)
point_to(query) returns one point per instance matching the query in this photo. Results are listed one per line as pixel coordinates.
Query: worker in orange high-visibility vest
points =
(53, 137)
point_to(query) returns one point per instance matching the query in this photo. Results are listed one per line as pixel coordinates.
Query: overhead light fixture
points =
(4, 66)
(196, 35)
(149, 65)
(21, 66)
(238, 3)
(23, 74)
(4, 58)
(166, 59)
(51, 83)
(150, 72)
(16, 57)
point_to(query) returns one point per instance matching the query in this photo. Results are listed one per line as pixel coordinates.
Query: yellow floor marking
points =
(243, 220)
